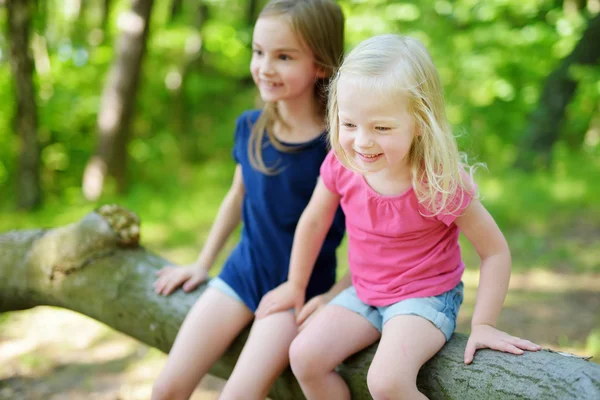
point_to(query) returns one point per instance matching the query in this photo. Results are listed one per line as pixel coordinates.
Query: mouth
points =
(269, 84)
(369, 157)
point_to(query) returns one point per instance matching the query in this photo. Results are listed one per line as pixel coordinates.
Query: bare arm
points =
(308, 240)
(312, 307)
(310, 234)
(480, 228)
(227, 219)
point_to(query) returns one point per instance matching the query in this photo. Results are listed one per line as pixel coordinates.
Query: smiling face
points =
(282, 66)
(376, 131)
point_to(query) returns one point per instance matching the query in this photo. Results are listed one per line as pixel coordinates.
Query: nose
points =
(363, 139)
(266, 66)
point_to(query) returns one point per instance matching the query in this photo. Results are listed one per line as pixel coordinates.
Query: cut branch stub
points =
(125, 223)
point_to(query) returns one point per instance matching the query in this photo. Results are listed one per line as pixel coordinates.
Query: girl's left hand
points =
(487, 337)
(283, 297)
(312, 308)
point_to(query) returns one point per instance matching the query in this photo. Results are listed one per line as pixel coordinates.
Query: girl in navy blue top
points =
(297, 44)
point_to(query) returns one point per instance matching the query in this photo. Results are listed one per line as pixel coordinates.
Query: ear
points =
(321, 73)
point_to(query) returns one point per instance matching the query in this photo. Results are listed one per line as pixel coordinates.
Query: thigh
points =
(264, 357)
(208, 330)
(440, 310)
(407, 342)
(333, 335)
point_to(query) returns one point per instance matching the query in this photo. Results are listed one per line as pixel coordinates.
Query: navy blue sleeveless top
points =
(271, 209)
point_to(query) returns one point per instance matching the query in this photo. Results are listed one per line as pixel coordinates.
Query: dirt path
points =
(54, 354)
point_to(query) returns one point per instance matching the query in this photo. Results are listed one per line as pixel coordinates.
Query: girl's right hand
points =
(172, 277)
(283, 297)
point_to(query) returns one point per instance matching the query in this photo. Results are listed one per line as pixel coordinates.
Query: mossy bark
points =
(97, 268)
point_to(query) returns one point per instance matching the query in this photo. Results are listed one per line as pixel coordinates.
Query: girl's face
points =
(375, 131)
(282, 66)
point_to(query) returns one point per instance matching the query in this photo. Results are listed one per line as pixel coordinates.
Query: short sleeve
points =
(329, 172)
(459, 203)
(238, 141)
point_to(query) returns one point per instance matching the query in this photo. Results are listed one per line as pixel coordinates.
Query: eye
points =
(382, 128)
(258, 52)
(347, 125)
(284, 57)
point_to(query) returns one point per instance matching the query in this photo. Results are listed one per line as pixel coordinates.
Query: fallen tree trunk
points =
(97, 268)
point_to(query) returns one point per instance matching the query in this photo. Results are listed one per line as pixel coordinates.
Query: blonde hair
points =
(399, 65)
(320, 25)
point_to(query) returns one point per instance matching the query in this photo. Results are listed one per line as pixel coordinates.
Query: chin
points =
(270, 98)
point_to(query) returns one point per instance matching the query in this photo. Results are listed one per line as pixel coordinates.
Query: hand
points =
(487, 337)
(171, 277)
(312, 308)
(283, 297)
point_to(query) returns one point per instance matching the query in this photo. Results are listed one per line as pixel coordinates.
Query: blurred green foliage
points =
(493, 57)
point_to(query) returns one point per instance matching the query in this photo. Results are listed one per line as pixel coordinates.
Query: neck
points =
(390, 182)
(300, 112)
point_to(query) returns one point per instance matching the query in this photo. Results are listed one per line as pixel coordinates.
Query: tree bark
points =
(117, 104)
(96, 267)
(29, 193)
(546, 121)
(105, 15)
(251, 12)
(176, 6)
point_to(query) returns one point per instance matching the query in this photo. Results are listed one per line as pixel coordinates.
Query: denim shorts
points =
(223, 287)
(440, 310)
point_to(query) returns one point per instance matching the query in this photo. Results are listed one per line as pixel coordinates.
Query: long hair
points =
(397, 65)
(320, 25)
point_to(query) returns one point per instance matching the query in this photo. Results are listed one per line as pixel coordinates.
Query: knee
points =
(306, 363)
(382, 386)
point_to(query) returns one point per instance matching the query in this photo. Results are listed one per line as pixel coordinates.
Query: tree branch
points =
(96, 267)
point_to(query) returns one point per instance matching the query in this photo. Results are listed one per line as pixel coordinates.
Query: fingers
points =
(470, 351)
(527, 345)
(306, 322)
(505, 343)
(167, 283)
(165, 286)
(164, 270)
(264, 307)
(192, 283)
(306, 312)
(520, 344)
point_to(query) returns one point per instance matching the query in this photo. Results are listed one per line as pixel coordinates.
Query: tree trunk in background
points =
(546, 121)
(251, 11)
(118, 101)
(192, 61)
(176, 6)
(96, 267)
(29, 193)
(105, 15)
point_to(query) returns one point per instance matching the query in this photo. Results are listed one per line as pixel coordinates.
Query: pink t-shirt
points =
(394, 251)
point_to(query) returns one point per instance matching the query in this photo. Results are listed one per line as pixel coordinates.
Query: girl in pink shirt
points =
(397, 172)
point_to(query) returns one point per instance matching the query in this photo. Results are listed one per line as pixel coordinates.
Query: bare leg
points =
(263, 359)
(408, 341)
(333, 335)
(208, 330)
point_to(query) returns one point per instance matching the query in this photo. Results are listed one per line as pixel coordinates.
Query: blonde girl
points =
(396, 171)
(297, 44)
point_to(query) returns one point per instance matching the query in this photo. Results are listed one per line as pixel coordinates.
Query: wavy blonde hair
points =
(398, 65)
(320, 25)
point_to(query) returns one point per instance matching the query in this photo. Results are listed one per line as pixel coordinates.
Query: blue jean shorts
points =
(439, 310)
(223, 287)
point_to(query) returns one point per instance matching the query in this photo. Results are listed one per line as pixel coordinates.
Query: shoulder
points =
(248, 118)
(334, 175)
(331, 164)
